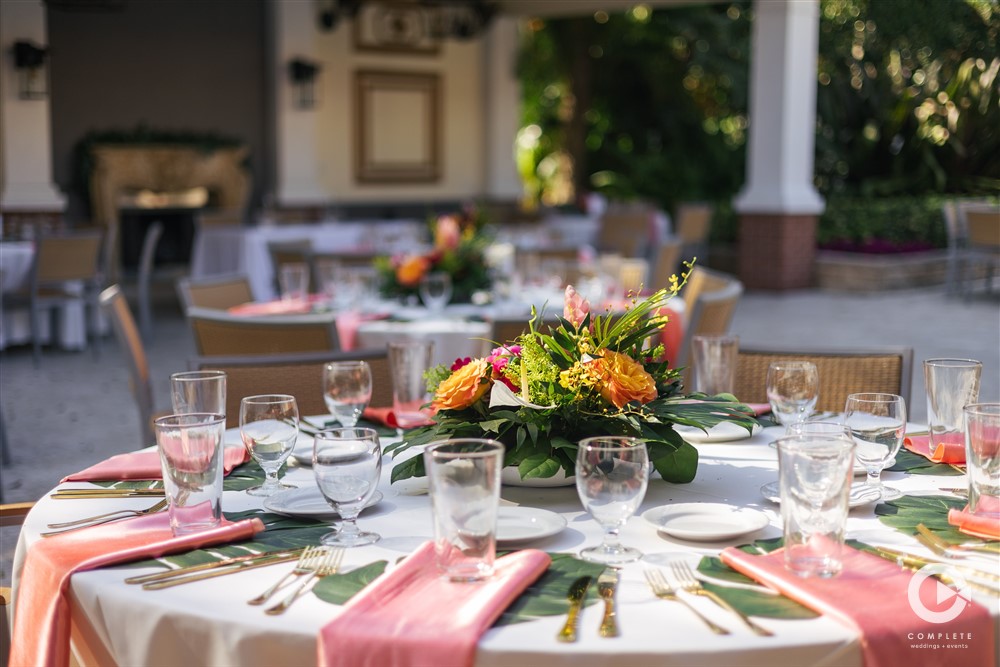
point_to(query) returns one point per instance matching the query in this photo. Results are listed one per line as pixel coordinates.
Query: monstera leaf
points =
(907, 461)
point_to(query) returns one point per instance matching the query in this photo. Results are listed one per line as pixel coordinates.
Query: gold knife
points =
(95, 496)
(577, 594)
(911, 562)
(200, 576)
(607, 584)
(179, 572)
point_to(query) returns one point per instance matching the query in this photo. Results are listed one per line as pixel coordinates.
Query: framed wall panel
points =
(398, 127)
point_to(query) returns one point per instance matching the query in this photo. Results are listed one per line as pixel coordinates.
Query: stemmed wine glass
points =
(347, 464)
(269, 425)
(347, 388)
(792, 390)
(611, 477)
(435, 290)
(878, 425)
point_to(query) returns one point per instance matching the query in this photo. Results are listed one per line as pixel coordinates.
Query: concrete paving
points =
(74, 410)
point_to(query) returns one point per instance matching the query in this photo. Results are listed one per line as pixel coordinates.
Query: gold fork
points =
(941, 547)
(89, 521)
(329, 564)
(306, 563)
(661, 589)
(685, 577)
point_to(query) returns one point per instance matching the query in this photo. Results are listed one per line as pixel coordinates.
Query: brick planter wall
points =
(859, 272)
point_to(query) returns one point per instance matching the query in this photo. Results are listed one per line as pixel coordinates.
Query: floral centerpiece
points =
(460, 241)
(590, 375)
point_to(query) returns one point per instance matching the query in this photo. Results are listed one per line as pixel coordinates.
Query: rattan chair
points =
(692, 228)
(11, 514)
(218, 292)
(300, 375)
(60, 261)
(841, 372)
(625, 232)
(668, 257)
(219, 333)
(982, 252)
(115, 305)
(710, 314)
(506, 329)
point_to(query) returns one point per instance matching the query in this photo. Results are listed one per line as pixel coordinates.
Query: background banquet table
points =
(15, 324)
(209, 623)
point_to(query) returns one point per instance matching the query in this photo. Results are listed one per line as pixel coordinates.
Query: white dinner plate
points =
(859, 469)
(303, 449)
(705, 522)
(721, 432)
(306, 502)
(860, 494)
(517, 524)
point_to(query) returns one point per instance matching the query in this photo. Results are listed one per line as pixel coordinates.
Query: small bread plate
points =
(306, 502)
(861, 494)
(518, 524)
(721, 432)
(303, 449)
(705, 522)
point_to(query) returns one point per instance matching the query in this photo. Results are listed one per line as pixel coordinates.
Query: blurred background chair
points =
(300, 375)
(115, 306)
(981, 256)
(66, 269)
(218, 292)
(708, 310)
(692, 226)
(219, 333)
(625, 232)
(11, 514)
(299, 251)
(841, 372)
(147, 258)
(668, 259)
(506, 329)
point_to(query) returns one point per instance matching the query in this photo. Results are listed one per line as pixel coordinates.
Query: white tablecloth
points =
(15, 324)
(208, 623)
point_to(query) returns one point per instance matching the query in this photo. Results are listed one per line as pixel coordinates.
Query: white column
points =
(780, 153)
(502, 96)
(25, 125)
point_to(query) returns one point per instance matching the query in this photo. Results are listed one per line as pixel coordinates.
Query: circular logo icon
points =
(958, 593)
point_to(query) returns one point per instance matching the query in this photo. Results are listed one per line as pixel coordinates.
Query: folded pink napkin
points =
(871, 596)
(984, 523)
(145, 465)
(42, 618)
(950, 449)
(347, 326)
(759, 409)
(276, 307)
(388, 417)
(413, 616)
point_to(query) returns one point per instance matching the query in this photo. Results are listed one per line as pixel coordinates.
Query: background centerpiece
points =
(543, 392)
(459, 244)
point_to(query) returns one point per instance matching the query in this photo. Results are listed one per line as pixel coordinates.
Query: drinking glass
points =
(190, 448)
(198, 391)
(951, 384)
(611, 477)
(878, 425)
(435, 290)
(347, 388)
(269, 425)
(408, 361)
(792, 390)
(715, 363)
(838, 429)
(347, 464)
(982, 454)
(293, 279)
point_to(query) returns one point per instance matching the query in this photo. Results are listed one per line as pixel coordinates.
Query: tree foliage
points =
(653, 104)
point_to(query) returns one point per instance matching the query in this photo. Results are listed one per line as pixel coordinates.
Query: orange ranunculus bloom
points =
(465, 386)
(623, 379)
(411, 270)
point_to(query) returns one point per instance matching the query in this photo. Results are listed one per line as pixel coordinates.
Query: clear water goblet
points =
(878, 426)
(347, 389)
(435, 290)
(792, 390)
(269, 426)
(347, 464)
(612, 473)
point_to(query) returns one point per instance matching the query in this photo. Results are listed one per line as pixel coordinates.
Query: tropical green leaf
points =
(547, 596)
(135, 484)
(907, 461)
(679, 466)
(905, 513)
(750, 602)
(538, 466)
(339, 588)
(243, 477)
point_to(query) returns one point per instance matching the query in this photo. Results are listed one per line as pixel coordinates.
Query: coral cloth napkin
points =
(387, 416)
(145, 465)
(984, 523)
(42, 618)
(276, 307)
(347, 326)
(950, 450)
(872, 596)
(412, 616)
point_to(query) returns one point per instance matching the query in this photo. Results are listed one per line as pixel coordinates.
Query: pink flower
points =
(576, 308)
(448, 233)
(500, 357)
(461, 362)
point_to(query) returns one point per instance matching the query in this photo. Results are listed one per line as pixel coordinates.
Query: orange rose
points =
(465, 386)
(623, 379)
(411, 270)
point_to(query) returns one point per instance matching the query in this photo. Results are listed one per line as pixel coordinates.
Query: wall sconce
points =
(29, 61)
(303, 74)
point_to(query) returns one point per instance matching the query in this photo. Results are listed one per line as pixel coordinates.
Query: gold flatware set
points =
(186, 575)
(87, 522)
(84, 494)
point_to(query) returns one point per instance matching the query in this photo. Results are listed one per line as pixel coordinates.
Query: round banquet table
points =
(209, 622)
